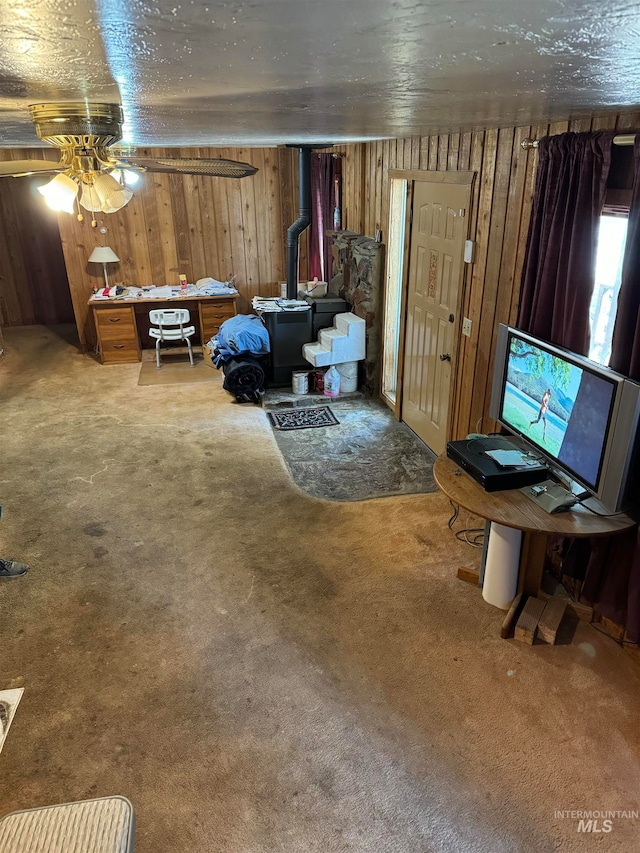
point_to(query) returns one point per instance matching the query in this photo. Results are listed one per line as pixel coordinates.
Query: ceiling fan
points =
(90, 166)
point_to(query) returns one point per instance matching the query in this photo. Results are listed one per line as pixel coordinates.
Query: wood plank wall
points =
(499, 222)
(211, 226)
(33, 280)
(196, 225)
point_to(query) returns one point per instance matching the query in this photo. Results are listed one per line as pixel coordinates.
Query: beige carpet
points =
(178, 370)
(262, 671)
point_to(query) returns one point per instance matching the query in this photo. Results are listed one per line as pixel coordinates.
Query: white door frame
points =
(397, 281)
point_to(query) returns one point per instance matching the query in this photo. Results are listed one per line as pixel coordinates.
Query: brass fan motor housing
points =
(78, 124)
(82, 131)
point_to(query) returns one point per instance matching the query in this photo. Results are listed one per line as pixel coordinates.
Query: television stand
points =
(514, 509)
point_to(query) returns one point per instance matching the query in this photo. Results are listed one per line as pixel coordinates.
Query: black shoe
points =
(12, 569)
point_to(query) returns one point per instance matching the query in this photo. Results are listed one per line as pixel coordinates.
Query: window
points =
(612, 236)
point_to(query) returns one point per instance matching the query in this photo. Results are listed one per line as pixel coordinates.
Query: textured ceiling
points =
(266, 72)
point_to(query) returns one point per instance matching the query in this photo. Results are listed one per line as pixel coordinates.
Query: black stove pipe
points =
(303, 221)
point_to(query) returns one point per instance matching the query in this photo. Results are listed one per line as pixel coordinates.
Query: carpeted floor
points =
(176, 368)
(259, 670)
(368, 454)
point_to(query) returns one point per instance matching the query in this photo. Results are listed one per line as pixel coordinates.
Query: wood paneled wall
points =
(33, 280)
(196, 225)
(501, 206)
(211, 226)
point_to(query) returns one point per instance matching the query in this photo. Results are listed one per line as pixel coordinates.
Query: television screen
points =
(562, 408)
(582, 417)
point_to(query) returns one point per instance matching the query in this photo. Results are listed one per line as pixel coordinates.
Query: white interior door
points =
(436, 257)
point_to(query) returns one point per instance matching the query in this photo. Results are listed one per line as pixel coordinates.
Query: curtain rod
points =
(623, 139)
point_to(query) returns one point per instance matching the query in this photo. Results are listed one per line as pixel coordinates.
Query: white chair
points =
(171, 327)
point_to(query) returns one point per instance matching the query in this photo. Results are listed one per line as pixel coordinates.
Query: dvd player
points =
(471, 455)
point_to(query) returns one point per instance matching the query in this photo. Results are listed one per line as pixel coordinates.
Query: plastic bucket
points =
(348, 375)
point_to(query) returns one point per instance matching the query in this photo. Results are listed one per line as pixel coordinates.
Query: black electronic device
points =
(325, 309)
(581, 417)
(471, 455)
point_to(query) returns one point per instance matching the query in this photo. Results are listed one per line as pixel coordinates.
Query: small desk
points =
(119, 333)
(513, 509)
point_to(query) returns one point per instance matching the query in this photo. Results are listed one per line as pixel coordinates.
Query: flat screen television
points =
(581, 417)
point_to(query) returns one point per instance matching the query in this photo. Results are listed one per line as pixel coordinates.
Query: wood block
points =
(551, 619)
(581, 611)
(512, 615)
(612, 628)
(469, 576)
(528, 622)
(572, 585)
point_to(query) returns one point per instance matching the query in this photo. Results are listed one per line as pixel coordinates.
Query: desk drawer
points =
(213, 316)
(108, 319)
(117, 334)
(119, 351)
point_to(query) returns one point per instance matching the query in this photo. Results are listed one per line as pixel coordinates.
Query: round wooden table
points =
(514, 509)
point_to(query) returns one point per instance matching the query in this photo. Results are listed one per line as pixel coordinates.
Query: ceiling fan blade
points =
(17, 168)
(216, 168)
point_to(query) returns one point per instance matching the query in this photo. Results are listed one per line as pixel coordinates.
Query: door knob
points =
(445, 356)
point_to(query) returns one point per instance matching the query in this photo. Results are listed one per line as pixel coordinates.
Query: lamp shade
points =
(89, 199)
(103, 255)
(60, 193)
(112, 194)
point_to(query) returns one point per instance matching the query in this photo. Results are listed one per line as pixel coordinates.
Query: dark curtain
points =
(610, 568)
(558, 274)
(322, 212)
(625, 345)
(557, 286)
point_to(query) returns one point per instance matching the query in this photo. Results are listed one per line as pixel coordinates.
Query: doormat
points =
(368, 454)
(303, 418)
(177, 370)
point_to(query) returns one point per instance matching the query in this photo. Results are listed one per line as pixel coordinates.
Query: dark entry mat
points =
(369, 454)
(303, 418)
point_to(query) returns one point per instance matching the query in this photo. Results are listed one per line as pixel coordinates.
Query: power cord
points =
(476, 540)
(601, 514)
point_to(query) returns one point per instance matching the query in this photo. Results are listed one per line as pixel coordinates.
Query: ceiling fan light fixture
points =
(113, 196)
(60, 193)
(128, 176)
(89, 198)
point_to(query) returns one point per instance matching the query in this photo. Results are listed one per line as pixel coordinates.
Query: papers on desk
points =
(165, 292)
(158, 293)
(512, 458)
(274, 303)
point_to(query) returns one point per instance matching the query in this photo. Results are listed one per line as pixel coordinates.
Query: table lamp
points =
(103, 255)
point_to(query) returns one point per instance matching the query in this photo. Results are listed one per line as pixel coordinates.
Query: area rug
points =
(176, 370)
(368, 454)
(303, 418)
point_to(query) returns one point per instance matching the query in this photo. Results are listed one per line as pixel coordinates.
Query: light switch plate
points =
(466, 327)
(469, 247)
